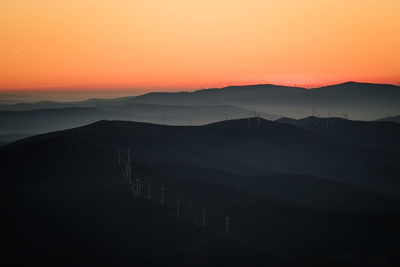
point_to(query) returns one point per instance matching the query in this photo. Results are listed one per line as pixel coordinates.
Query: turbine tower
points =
(162, 195)
(177, 205)
(227, 225)
(138, 186)
(133, 189)
(128, 169)
(203, 222)
(328, 120)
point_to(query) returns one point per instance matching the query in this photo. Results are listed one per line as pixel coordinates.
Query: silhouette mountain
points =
(362, 100)
(365, 101)
(65, 201)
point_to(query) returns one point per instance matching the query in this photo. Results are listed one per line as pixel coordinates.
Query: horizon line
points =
(183, 89)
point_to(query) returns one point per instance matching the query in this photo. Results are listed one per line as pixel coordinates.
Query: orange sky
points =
(166, 44)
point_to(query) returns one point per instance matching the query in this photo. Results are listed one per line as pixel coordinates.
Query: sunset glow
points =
(177, 44)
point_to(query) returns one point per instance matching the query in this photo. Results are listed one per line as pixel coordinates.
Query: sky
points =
(184, 44)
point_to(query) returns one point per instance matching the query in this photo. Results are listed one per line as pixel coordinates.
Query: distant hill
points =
(44, 120)
(52, 119)
(392, 119)
(65, 200)
(8, 138)
(181, 115)
(89, 103)
(380, 134)
(362, 101)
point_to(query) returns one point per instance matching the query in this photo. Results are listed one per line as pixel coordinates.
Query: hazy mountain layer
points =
(358, 100)
(52, 119)
(363, 101)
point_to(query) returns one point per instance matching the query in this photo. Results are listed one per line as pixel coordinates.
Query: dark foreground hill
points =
(379, 134)
(304, 190)
(248, 146)
(66, 203)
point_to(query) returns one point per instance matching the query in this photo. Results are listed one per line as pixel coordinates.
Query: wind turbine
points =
(138, 186)
(177, 205)
(128, 169)
(162, 195)
(227, 225)
(204, 218)
(148, 190)
(133, 189)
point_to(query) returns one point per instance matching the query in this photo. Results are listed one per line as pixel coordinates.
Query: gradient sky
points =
(177, 44)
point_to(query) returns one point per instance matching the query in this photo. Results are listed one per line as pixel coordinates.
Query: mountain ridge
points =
(379, 134)
(266, 150)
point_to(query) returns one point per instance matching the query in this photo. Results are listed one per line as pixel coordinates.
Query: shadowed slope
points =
(271, 148)
(366, 133)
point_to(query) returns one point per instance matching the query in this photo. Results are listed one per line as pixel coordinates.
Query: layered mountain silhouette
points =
(44, 120)
(286, 191)
(360, 100)
(52, 119)
(363, 101)
(315, 191)
(253, 146)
